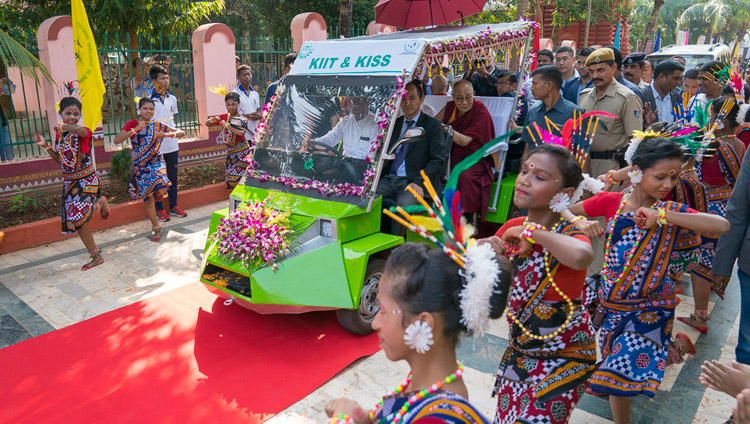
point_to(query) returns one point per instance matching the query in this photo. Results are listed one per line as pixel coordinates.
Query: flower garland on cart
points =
(384, 119)
(254, 234)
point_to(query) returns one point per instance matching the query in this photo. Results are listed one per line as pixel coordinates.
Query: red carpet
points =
(180, 357)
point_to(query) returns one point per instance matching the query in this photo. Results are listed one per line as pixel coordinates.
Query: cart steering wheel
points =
(318, 146)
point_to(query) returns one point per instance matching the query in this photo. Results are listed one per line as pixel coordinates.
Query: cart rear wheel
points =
(359, 321)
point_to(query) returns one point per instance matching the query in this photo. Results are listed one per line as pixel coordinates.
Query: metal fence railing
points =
(265, 56)
(23, 104)
(117, 59)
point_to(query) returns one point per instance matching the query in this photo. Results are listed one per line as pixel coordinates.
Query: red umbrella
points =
(406, 14)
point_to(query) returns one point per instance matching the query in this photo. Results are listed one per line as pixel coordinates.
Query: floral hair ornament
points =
(635, 175)
(635, 142)
(742, 115)
(418, 336)
(479, 266)
(559, 202)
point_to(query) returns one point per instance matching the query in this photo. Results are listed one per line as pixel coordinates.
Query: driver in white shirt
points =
(357, 131)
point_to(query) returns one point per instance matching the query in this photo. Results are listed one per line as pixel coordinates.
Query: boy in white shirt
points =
(165, 108)
(249, 99)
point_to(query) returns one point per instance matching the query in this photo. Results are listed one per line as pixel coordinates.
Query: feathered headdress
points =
(479, 266)
(67, 89)
(573, 135)
(720, 73)
(222, 89)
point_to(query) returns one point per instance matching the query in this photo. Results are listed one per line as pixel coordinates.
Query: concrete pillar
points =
(55, 41)
(308, 26)
(213, 64)
(376, 28)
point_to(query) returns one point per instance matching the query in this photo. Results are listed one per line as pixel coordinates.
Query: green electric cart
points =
(338, 252)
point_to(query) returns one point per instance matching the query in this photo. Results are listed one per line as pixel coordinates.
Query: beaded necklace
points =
(608, 245)
(66, 146)
(416, 397)
(547, 262)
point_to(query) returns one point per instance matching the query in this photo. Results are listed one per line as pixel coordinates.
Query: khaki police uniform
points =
(614, 134)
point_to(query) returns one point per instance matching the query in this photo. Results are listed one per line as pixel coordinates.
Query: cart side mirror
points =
(412, 135)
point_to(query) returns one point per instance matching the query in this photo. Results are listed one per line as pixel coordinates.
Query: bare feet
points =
(96, 259)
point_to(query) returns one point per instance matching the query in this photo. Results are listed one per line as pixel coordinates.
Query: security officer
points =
(632, 66)
(607, 95)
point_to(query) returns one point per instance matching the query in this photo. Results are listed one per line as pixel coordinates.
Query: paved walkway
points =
(42, 290)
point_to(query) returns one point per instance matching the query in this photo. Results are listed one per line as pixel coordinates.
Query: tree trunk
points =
(521, 11)
(345, 17)
(651, 24)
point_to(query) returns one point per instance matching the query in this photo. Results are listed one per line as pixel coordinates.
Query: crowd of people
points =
(573, 270)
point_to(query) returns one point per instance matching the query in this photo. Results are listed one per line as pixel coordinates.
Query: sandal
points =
(104, 208)
(680, 349)
(96, 259)
(156, 237)
(697, 320)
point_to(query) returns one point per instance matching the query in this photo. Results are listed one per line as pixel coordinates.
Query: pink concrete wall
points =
(55, 40)
(376, 28)
(213, 64)
(29, 90)
(308, 26)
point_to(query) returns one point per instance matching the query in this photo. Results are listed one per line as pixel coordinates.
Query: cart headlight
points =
(326, 228)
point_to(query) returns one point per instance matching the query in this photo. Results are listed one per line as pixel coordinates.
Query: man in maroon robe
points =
(472, 128)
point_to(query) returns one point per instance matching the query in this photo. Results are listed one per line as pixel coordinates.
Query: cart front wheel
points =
(359, 321)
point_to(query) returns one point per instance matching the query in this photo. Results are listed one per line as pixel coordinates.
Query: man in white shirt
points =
(165, 108)
(249, 98)
(355, 132)
(707, 83)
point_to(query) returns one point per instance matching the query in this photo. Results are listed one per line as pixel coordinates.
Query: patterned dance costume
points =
(542, 381)
(635, 313)
(80, 182)
(148, 173)
(442, 407)
(237, 150)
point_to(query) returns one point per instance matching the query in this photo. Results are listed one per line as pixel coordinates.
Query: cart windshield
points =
(322, 128)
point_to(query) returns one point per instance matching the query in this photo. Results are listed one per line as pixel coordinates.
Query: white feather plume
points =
(590, 184)
(482, 275)
(742, 115)
(632, 148)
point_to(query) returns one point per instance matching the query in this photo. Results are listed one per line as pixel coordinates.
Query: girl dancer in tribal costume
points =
(148, 173)
(72, 150)
(636, 297)
(233, 138)
(718, 175)
(420, 319)
(552, 351)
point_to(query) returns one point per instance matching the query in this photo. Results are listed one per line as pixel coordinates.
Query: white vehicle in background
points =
(694, 54)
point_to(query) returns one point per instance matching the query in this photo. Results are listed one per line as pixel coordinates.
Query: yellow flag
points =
(90, 81)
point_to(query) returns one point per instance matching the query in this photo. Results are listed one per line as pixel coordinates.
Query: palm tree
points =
(346, 9)
(11, 52)
(651, 24)
(710, 15)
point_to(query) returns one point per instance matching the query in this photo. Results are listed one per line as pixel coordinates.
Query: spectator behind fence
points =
(6, 147)
(249, 98)
(288, 62)
(140, 84)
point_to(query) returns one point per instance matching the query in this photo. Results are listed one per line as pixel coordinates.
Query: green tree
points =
(151, 18)
(709, 17)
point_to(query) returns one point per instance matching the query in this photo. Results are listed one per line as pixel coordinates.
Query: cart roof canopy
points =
(393, 53)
